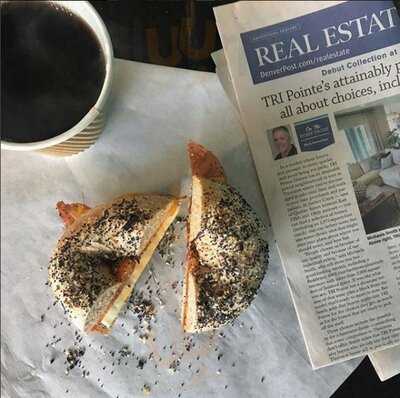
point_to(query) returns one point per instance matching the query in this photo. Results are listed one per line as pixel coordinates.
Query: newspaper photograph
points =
(320, 103)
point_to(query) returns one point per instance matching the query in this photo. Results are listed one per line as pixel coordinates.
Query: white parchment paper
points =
(153, 112)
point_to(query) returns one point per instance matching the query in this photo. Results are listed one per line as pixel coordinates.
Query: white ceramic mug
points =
(87, 130)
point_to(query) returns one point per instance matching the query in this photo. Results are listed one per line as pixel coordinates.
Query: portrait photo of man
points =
(282, 140)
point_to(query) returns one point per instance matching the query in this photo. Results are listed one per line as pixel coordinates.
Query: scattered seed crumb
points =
(173, 367)
(74, 357)
(146, 389)
(141, 363)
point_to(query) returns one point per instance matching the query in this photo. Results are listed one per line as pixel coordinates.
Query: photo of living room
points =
(372, 132)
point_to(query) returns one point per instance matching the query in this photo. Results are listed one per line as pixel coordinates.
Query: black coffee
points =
(52, 70)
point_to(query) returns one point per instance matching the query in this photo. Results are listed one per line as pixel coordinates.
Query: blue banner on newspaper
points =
(314, 134)
(320, 38)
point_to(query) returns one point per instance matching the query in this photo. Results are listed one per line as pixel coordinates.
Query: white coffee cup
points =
(87, 130)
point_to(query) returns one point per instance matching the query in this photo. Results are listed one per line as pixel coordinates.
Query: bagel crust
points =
(227, 256)
(83, 271)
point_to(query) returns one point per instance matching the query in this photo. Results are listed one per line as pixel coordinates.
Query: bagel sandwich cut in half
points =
(227, 255)
(103, 252)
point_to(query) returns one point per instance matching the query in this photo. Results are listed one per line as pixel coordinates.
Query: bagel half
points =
(227, 257)
(102, 254)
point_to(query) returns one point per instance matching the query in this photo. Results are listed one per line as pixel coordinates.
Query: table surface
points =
(148, 31)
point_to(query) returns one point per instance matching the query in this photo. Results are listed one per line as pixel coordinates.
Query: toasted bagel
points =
(102, 254)
(227, 256)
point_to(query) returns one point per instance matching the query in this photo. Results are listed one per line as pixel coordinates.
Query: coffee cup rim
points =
(106, 45)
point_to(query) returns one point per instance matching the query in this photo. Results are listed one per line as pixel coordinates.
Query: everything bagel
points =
(227, 256)
(103, 252)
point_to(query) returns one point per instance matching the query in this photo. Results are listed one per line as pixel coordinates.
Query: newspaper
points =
(385, 362)
(328, 84)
